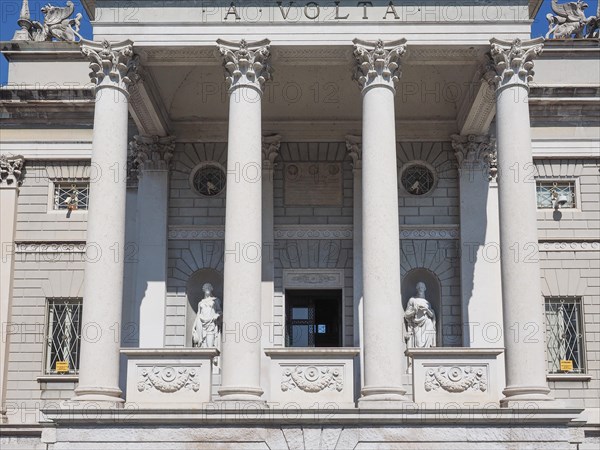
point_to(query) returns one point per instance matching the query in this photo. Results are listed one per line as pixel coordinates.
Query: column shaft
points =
(243, 222)
(523, 307)
(103, 286)
(153, 155)
(10, 178)
(382, 308)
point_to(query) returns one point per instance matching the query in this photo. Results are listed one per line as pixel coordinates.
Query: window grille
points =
(417, 179)
(209, 180)
(564, 334)
(63, 336)
(71, 196)
(549, 191)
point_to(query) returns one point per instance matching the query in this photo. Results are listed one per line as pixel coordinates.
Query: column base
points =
(519, 396)
(101, 395)
(240, 394)
(383, 398)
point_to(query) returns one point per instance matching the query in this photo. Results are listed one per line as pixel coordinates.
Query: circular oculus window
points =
(417, 179)
(209, 180)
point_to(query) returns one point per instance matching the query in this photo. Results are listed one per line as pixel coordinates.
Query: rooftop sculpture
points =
(570, 21)
(57, 24)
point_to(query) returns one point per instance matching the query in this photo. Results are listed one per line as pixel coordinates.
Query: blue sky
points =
(9, 14)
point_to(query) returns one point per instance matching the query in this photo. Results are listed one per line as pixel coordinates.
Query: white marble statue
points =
(420, 320)
(207, 326)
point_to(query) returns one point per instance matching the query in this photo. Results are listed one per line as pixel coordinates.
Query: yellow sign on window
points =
(566, 365)
(62, 366)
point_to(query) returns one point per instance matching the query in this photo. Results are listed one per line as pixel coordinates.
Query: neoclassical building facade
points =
(300, 225)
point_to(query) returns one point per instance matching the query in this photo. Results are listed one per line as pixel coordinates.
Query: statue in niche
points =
(207, 326)
(420, 320)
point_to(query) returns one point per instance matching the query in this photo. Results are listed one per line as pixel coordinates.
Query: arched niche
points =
(433, 294)
(194, 294)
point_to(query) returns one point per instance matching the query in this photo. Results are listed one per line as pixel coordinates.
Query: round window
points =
(417, 179)
(209, 180)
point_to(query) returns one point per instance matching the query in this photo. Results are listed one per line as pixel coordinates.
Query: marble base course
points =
(307, 429)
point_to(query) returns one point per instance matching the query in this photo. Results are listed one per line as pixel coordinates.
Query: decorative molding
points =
(167, 379)
(152, 152)
(111, 65)
(270, 150)
(146, 106)
(354, 148)
(312, 378)
(50, 247)
(511, 63)
(246, 64)
(456, 379)
(565, 246)
(163, 56)
(436, 232)
(440, 54)
(321, 55)
(313, 232)
(378, 63)
(199, 232)
(11, 170)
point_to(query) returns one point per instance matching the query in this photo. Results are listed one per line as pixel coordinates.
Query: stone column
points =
(377, 73)
(270, 152)
(11, 175)
(354, 148)
(511, 65)
(479, 237)
(246, 70)
(152, 157)
(112, 69)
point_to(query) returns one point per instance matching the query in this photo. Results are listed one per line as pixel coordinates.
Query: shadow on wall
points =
(194, 295)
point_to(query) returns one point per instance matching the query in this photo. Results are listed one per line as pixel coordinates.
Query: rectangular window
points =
(564, 335)
(70, 195)
(63, 337)
(313, 318)
(550, 192)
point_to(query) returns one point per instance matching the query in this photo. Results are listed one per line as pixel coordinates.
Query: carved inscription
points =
(313, 184)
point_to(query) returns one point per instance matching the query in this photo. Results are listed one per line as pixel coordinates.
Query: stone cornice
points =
(11, 170)
(511, 63)
(152, 152)
(354, 149)
(112, 65)
(246, 63)
(270, 150)
(378, 63)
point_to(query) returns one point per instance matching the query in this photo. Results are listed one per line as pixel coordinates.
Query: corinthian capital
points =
(246, 63)
(112, 65)
(354, 149)
(378, 63)
(474, 152)
(270, 150)
(11, 170)
(511, 63)
(152, 152)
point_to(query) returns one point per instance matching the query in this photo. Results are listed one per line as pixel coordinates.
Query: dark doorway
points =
(313, 318)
